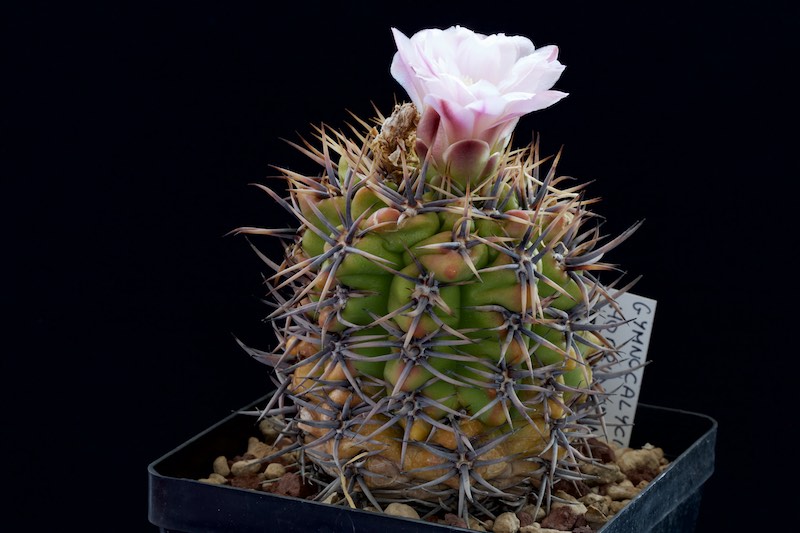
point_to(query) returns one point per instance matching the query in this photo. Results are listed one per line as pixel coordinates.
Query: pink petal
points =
(457, 121)
(428, 133)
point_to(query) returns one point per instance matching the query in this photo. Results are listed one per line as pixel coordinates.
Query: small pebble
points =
(268, 430)
(214, 479)
(561, 518)
(531, 509)
(639, 464)
(656, 450)
(603, 474)
(257, 448)
(401, 509)
(221, 466)
(451, 519)
(506, 523)
(570, 501)
(595, 517)
(597, 501)
(525, 519)
(246, 467)
(616, 506)
(621, 492)
(275, 470)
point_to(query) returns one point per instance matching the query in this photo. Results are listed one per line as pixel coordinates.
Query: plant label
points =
(630, 335)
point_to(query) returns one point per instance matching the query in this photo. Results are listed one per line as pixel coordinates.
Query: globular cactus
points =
(436, 307)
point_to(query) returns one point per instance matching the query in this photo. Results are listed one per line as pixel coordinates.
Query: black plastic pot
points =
(179, 503)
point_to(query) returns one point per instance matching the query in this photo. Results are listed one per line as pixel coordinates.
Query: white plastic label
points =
(631, 336)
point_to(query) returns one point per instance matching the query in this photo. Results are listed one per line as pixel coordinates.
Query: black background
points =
(133, 131)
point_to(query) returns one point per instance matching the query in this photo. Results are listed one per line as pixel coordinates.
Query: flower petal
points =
(403, 71)
(534, 102)
(457, 121)
(536, 72)
(428, 132)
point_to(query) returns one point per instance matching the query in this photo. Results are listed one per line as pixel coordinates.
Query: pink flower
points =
(471, 90)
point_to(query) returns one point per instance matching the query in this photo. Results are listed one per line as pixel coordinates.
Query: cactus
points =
(435, 308)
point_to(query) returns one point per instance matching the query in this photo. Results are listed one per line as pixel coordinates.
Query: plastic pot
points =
(179, 503)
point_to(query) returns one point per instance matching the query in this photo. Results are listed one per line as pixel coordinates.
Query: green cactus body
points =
(415, 319)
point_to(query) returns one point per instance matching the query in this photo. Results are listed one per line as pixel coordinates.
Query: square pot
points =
(180, 503)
